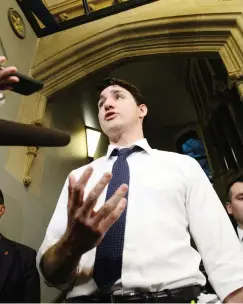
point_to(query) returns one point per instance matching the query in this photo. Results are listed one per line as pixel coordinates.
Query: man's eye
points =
(100, 104)
(119, 96)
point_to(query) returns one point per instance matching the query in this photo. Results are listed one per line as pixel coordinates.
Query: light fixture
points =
(92, 138)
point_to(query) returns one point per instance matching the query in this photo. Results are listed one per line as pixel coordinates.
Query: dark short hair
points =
(109, 81)
(238, 179)
(1, 198)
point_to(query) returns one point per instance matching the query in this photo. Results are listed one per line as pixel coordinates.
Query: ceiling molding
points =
(74, 8)
(104, 43)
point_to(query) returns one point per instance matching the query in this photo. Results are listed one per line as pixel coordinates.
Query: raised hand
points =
(85, 227)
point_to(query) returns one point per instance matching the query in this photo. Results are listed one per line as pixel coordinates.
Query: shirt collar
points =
(240, 233)
(141, 143)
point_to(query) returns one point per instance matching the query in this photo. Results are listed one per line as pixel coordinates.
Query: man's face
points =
(2, 210)
(118, 110)
(235, 206)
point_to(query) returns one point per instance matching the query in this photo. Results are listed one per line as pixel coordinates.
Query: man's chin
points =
(113, 129)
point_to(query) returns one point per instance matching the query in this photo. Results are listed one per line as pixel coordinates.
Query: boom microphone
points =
(19, 134)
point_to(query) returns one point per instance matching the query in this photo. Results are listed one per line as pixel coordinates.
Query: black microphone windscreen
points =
(19, 134)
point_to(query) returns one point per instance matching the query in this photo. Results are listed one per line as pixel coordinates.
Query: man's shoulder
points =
(173, 156)
(26, 249)
(20, 247)
(176, 161)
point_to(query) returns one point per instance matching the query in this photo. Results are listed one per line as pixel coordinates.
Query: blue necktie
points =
(108, 260)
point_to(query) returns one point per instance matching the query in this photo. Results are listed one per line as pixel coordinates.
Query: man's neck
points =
(240, 225)
(125, 140)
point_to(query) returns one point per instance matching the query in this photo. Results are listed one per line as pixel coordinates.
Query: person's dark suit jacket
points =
(19, 278)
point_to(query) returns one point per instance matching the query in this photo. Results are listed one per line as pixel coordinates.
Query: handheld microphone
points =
(19, 134)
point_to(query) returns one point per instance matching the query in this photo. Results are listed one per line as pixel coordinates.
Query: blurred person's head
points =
(234, 205)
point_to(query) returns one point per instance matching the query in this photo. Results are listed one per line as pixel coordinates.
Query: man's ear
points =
(229, 207)
(2, 210)
(143, 110)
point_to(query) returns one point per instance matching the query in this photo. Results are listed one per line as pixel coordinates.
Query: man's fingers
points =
(12, 79)
(5, 79)
(6, 83)
(7, 87)
(85, 176)
(71, 189)
(110, 205)
(94, 194)
(2, 59)
(7, 72)
(80, 185)
(113, 216)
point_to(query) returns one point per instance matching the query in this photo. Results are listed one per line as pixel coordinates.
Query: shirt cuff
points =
(230, 280)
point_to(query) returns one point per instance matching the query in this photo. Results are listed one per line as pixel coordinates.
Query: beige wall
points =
(26, 214)
(20, 53)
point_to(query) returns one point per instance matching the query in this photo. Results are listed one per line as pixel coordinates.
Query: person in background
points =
(19, 278)
(234, 205)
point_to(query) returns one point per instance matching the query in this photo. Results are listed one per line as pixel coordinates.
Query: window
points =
(46, 20)
(189, 144)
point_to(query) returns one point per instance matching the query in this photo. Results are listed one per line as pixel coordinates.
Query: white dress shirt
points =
(240, 235)
(169, 194)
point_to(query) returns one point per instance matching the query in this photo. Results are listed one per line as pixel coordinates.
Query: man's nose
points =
(109, 104)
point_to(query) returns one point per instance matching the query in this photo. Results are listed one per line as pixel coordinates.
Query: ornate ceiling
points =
(47, 17)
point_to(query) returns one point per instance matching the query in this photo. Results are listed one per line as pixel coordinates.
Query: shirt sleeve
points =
(55, 231)
(213, 234)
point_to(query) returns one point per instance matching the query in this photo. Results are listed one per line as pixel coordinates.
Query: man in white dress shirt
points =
(169, 195)
(235, 204)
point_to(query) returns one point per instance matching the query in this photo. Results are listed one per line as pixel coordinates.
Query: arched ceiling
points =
(162, 27)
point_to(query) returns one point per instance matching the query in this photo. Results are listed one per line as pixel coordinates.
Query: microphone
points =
(19, 134)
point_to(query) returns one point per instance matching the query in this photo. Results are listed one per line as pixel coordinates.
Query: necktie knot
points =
(125, 152)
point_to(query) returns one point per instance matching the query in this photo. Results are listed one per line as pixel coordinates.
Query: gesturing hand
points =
(86, 228)
(5, 75)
